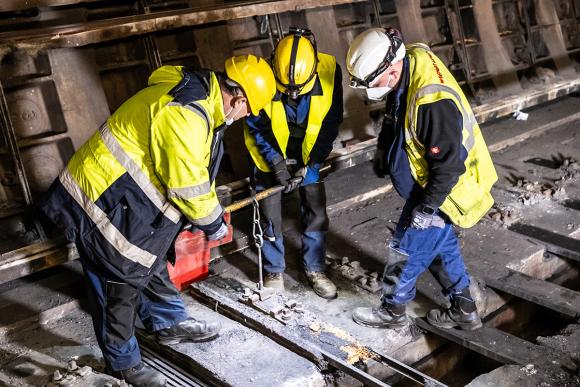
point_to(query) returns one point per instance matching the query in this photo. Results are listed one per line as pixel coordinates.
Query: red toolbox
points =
(192, 255)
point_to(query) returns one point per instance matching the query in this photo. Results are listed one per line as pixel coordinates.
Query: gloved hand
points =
(380, 163)
(219, 234)
(424, 217)
(311, 175)
(281, 173)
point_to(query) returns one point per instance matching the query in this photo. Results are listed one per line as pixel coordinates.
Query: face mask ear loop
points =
(230, 120)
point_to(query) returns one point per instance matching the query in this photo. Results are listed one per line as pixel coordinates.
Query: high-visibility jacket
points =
(430, 81)
(123, 193)
(319, 107)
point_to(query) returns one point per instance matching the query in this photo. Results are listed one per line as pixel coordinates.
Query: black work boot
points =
(190, 330)
(140, 376)
(462, 314)
(385, 316)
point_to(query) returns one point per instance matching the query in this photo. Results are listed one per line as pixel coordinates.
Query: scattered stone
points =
(315, 327)
(56, 376)
(72, 365)
(529, 369)
(84, 371)
(505, 216)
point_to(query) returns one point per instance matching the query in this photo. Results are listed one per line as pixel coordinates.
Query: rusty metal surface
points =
(105, 30)
(16, 5)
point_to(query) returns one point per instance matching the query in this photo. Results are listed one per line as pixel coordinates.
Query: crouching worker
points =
(128, 191)
(289, 140)
(433, 149)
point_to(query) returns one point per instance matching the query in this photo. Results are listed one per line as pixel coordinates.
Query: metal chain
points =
(258, 235)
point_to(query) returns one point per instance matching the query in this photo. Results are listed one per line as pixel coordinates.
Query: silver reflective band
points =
(468, 117)
(197, 109)
(104, 225)
(156, 197)
(189, 192)
(209, 219)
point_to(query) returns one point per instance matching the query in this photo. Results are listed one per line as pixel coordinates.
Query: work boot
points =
(385, 316)
(140, 376)
(462, 314)
(274, 281)
(190, 330)
(321, 284)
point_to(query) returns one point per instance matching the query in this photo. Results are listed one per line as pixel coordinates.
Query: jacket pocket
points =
(120, 312)
(123, 243)
(467, 194)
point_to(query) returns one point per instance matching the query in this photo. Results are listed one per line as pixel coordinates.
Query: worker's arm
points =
(260, 128)
(180, 154)
(439, 128)
(331, 123)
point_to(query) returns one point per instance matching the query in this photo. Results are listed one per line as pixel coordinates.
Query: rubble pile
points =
(504, 215)
(570, 169)
(533, 192)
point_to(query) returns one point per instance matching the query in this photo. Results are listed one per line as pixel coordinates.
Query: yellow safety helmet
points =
(294, 62)
(255, 77)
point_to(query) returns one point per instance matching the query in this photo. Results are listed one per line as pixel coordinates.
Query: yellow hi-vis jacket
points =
(123, 193)
(430, 81)
(319, 107)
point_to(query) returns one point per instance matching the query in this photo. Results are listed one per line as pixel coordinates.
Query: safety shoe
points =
(274, 281)
(321, 284)
(385, 316)
(140, 376)
(190, 330)
(454, 317)
(462, 314)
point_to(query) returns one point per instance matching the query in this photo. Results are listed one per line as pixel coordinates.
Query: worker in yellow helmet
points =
(128, 191)
(288, 143)
(433, 150)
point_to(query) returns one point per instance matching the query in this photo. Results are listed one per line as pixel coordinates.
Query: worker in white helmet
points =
(433, 150)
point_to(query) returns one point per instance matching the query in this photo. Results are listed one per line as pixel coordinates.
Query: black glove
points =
(281, 173)
(380, 163)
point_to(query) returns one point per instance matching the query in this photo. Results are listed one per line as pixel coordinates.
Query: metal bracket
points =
(282, 312)
(356, 273)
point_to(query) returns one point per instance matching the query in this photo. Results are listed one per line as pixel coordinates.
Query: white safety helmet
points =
(371, 53)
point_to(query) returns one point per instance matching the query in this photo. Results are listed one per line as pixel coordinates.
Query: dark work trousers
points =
(314, 224)
(412, 251)
(115, 305)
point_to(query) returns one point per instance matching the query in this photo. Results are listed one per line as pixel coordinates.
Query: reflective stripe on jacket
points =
(430, 81)
(145, 167)
(319, 107)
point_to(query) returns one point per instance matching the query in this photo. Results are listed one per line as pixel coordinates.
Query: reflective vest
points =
(319, 107)
(430, 81)
(147, 165)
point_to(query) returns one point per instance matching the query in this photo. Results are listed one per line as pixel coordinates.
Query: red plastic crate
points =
(192, 254)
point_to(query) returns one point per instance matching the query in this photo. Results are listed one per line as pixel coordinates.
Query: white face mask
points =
(230, 118)
(379, 93)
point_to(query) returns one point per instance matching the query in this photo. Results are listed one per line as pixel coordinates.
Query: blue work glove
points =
(311, 174)
(221, 232)
(424, 217)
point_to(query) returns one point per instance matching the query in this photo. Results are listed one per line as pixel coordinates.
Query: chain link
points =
(258, 235)
(257, 232)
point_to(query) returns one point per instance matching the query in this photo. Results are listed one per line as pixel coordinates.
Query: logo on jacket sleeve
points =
(434, 150)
